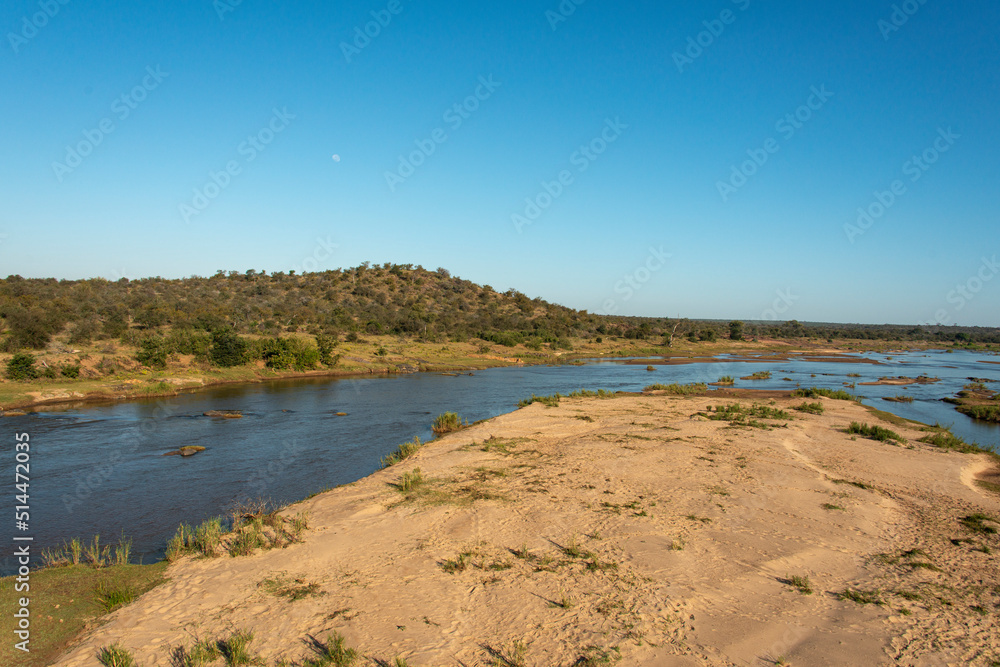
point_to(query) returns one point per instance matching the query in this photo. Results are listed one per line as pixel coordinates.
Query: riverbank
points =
(639, 530)
(129, 380)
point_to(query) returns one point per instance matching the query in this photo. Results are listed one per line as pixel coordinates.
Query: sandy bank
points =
(630, 528)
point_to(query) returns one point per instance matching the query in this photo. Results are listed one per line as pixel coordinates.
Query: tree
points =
(153, 353)
(22, 367)
(227, 349)
(736, 330)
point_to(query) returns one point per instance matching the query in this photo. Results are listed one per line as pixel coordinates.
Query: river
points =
(100, 469)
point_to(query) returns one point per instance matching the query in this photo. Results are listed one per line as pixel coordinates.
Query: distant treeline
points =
(341, 304)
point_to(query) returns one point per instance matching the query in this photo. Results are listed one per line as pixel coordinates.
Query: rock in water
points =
(225, 414)
(187, 450)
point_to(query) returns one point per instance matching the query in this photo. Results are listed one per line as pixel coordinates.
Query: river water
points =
(100, 469)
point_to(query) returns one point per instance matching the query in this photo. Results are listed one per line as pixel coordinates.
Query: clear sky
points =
(704, 160)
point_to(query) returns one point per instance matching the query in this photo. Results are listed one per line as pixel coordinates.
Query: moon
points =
(336, 158)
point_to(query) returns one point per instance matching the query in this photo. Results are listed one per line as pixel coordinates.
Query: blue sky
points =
(644, 112)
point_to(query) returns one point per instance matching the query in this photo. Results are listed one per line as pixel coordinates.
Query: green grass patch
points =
(900, 398)
(816, 392)
(989, 413)
(811, 408)
(760, 375)
(64, 603)
(738, 414)
(875, 432)
(548, 401)
(679, 389)
(111, 596)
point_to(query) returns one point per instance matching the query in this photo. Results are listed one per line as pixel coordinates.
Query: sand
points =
(630, 529)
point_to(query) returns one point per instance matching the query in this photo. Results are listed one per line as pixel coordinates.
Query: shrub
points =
(22, 367)
(944, 439)
(71, 371)
(875, 432)
(812, 408)
(324, 346)
(736, 330)
(153, 353)
(990, 413)
(816, 392)
(227, 349)
(190, 342)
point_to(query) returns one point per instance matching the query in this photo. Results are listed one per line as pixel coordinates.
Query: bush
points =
(190, 342)
(325, 345)
(875, 432)
(71, 371)
(227, 349)
(22, 367)
(448, 422)
(153, 353)
(816, 392)
(284, 353)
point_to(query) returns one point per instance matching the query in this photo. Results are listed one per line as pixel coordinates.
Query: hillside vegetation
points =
(341, 318)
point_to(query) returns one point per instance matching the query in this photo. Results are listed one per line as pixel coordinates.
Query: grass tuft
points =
(403, 452)
(116, 655)
(448, 422)
(862, 596)
(878, 433)
(816, 392)
(679, 389)
(977, 523)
